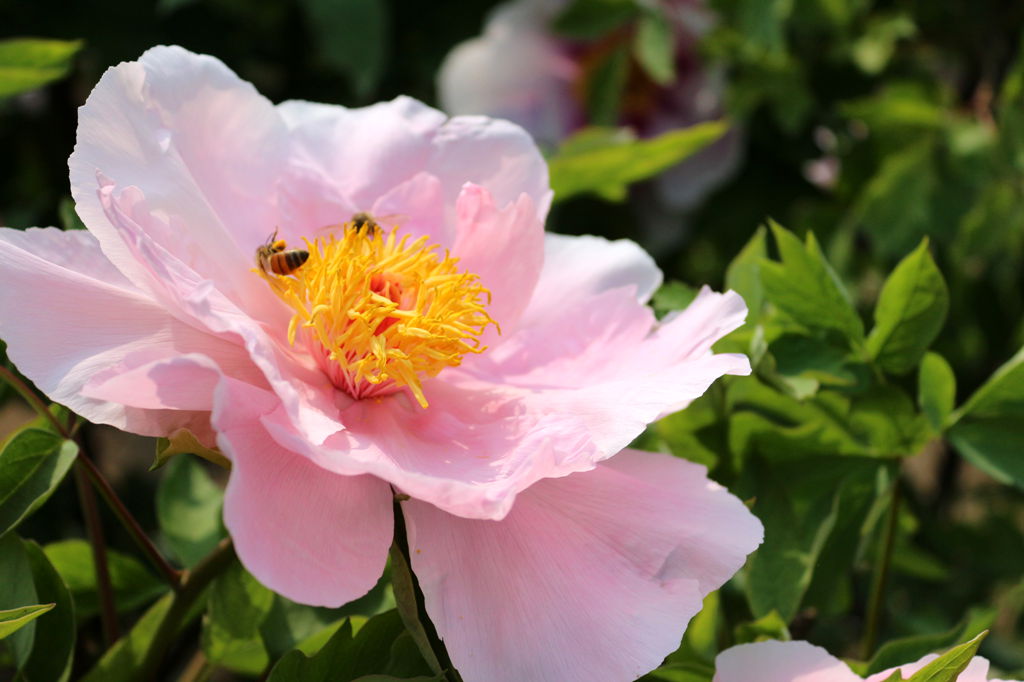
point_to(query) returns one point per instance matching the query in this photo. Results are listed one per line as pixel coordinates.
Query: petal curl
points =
(314, 536)
(362, 154)
(578, 268)
(72, 316)
(504, 247)
(590, 577)
(607, 364)
(202, 145)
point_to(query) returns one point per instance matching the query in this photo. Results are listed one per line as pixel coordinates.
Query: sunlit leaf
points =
(875, 47)
(654, 46)
(182, 442)
(898, 651)
(948, 666)
(54, 647)
(593, 161)
(32, 464)
(30, 63)
(345, 658)
(237, 607)
(17, 589)
(936, 389)
(910, 312)
(133, 584)
(188, 507)
(804, 286)
(12, 620)
(769, 626)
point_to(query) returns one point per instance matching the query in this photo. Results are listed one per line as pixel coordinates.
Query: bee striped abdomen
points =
(287, 262)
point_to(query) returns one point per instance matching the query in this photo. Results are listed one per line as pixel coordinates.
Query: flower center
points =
(380, 312)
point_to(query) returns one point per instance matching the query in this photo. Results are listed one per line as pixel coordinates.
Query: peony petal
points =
(203, 147)
(74, 317)
(601, 364)
(504, 247)
(773, 661)
(304, 390)
(362, 154)
(578, 268)
(314, 536)
(590, 577)
(469, 453)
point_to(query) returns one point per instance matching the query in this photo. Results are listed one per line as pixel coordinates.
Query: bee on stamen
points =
(273, 257)
(366, 222)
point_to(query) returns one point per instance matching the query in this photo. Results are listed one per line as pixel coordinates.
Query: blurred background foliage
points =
(884, 423)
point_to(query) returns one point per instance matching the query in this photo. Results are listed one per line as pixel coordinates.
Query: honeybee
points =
(364, 221)
(274, 257)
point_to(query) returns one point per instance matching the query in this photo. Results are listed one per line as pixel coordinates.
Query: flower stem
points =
(94, 529)
(193, 583)
(31, 398)
(168, 572)
(881, 574)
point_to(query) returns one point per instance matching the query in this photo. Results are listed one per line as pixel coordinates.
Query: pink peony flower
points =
(520, 70)
(772, 661)
(455, 354)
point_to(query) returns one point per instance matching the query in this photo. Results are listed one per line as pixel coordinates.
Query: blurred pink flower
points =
(800, 661)
(520, 70)
(366, 372)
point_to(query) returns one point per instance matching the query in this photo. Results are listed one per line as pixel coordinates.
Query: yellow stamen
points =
(381, 312)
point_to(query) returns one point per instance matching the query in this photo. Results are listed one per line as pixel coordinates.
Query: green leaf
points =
(672, 296)
(804, 286)
(183, 442)
(237, 607)
(120, 663)
(744, 272)
(32, 464)
(344, 657)
(898, 651)
(605, 86)
(936, 390)
(875, 47)
(910, 312)
(988, 430)
(588, 19)
(17, 589)
(798, 511)
(994, 445)
(30, 63)
(54, 647)
(188, 507)
(404, 586)
(12, 620)
(948, 666)
(594, 160)
(1001, 396)
(289, 625)
(896, 205)
(69, 219)
(769, 626)
(351, 35)
(133, 584)
(654, 46)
